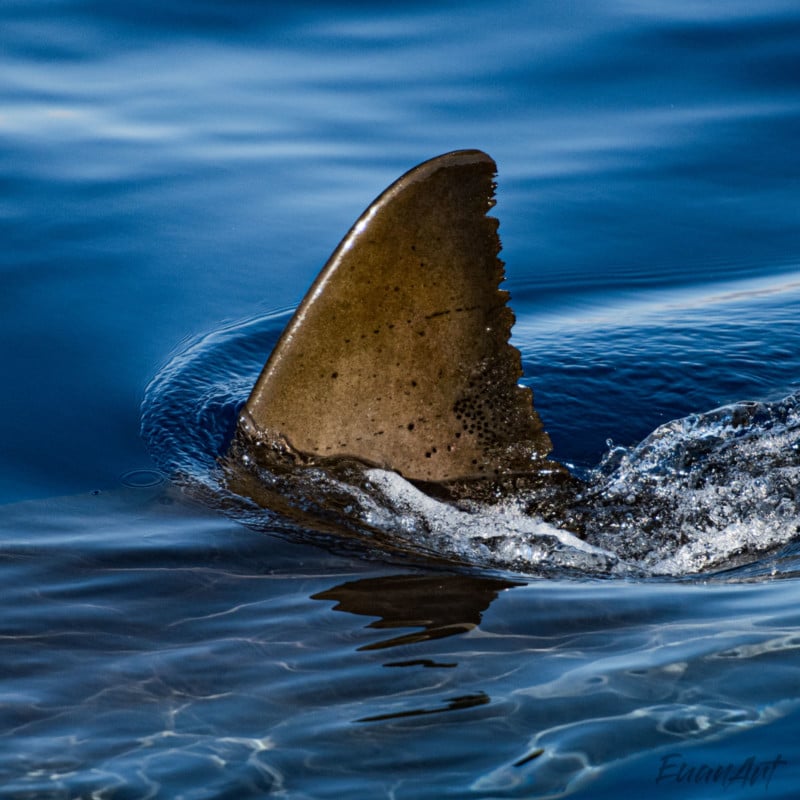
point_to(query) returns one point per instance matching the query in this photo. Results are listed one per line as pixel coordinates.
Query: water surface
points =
(172, 172)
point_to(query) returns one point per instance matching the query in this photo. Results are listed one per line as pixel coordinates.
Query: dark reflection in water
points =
(454, 704)
(441, 605)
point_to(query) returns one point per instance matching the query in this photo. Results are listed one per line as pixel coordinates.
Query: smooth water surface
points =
(174, 172)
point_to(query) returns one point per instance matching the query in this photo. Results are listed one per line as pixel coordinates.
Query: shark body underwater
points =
(399, 360)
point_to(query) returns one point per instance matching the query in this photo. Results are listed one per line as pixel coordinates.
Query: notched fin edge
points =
(399, 354)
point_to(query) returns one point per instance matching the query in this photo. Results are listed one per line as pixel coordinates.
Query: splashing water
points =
(706, 492)
(702, 491)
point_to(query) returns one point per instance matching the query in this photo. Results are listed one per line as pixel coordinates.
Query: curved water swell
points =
(707, 492)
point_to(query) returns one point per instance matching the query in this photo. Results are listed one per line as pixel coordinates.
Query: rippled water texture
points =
(173, 176)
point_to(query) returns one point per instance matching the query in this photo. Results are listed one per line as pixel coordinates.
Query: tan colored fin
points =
(399, 353)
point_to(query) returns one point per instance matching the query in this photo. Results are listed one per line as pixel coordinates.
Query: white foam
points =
(501, 532)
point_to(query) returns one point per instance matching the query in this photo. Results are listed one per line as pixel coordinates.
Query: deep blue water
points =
(172, 170)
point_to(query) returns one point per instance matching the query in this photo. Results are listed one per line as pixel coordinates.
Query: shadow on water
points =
(442, 605)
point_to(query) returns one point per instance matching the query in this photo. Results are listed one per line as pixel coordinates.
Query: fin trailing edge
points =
(399, 354)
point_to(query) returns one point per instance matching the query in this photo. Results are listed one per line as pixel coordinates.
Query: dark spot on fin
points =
(472, 419)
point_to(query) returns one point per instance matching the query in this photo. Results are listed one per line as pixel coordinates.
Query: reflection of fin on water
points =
(441, 605)
(399, 354)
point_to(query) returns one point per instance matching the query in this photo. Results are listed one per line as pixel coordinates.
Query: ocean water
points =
(173, 177)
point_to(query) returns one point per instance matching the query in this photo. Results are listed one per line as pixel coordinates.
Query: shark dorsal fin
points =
(399, 354)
